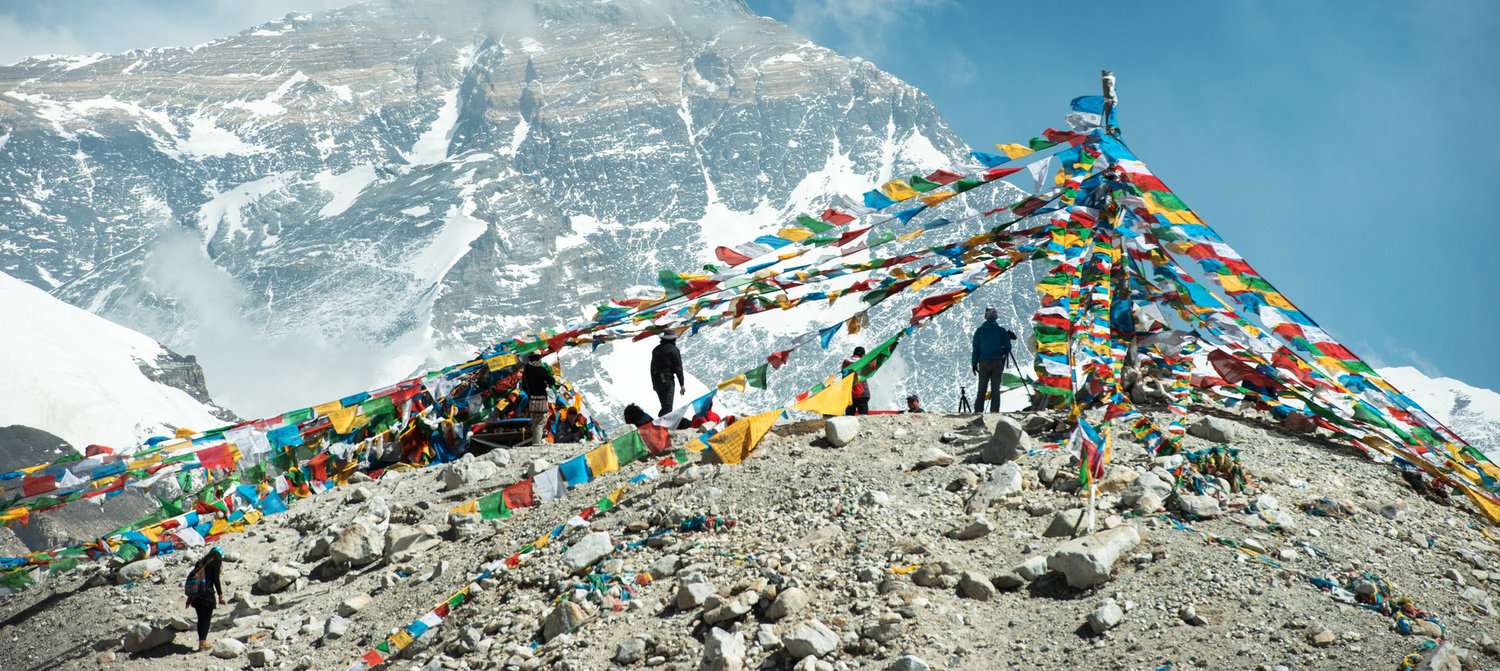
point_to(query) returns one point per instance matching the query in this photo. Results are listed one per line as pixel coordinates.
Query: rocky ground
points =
(906, 548)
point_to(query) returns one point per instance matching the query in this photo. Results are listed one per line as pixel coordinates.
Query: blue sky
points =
(1342, 147)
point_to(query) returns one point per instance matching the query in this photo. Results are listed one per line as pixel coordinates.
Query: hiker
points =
(666, 364)
(860, 404)
(536, 379)
(635, 416)
(914, 404)
(203, 590)
(991, 349)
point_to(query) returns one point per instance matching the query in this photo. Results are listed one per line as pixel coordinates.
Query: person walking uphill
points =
(204, 590)
(991, 349)
(536, 379)
(666, 365)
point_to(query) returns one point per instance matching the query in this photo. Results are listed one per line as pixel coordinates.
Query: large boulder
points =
(1004, 482)
(840, 431)
(274, 578)
(566, 617)
(228, 648)
(1212, 429)
(723, 651)
(402, 538)
(975, 526)
(1147, 483)
(1106, 617)
(1008, 442)
(140, 570)
(1198, 506)
(789, 602)
(467, 472)
(143, 636)
(359, 544)
(1067, 523)
(589, 549)
(1089, 561)
(812, 638)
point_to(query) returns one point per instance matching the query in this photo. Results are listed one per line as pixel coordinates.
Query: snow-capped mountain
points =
(1472, 412)
(81, 378)
(324, 203)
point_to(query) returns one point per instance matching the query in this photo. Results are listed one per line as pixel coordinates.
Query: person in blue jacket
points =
(991, 349)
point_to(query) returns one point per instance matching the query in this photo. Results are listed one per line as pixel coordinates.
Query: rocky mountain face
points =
(1472, 412)
(327, 202)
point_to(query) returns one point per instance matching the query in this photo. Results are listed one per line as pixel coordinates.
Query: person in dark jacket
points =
(991, 349)
(860, 396)
(536, 379)
(666, 365)
(204, 591)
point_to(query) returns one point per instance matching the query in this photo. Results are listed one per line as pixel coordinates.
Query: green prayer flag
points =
(377, 405)
(1039, 143)
(604, 505)
(922, 185)
(814, 225)
(629, 448)
(1168, 200)
(128, 552)
(756, 377)
(297, 416)
(965, 184)
(492, 507)
(18, 579)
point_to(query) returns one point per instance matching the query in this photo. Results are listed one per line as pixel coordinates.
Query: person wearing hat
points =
(991, 349)
(203, 590)
(536, 379)
(666, 365)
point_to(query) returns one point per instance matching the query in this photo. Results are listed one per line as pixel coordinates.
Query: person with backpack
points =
(990, 350)
(860, 401)
(536, 379)
(204, 590)
(666, 366)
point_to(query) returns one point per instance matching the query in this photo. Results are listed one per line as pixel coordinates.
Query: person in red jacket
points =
(860, 404)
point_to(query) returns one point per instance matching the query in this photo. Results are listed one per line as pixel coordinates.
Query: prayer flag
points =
(519, 495)
(629, 448)
(576, 471)
(548, 485)
(831, 401)
(492, 507)
(739, 439)
(602, 460)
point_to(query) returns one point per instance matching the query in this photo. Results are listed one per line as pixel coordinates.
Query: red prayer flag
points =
(943, 177)
(852, 235)
(372, 658)
(656, 438)
(997, 173)
(834, 217)
(33, 485)
(96, 450)
(519, 495)
(730, 256)
(513, 560)
(778, 359)
(216, 457)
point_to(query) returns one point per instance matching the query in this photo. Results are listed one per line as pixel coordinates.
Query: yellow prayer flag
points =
(1231, 282)
(602, 460)
(542, 541)
(736, 383)
(252, 516)
(1014, 150)
(795, 234)
(466, 508)
(831, 401)
(1277, 300)
(898, 190)
(343, 419)
(911, 235)
(736, 442)
(497, 362)
(937, 197)
(323, 409)
(399, 640)
(923, 282)
(184, 432)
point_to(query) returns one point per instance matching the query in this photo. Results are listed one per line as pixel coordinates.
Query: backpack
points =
(195, 585)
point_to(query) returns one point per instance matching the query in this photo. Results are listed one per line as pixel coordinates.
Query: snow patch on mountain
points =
(345, 188)
(78, 376)
(1472, 412)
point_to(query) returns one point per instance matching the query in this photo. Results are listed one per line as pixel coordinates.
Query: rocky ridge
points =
(905, 548)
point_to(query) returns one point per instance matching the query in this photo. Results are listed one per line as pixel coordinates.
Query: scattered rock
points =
(1089, 561)
(228, 648)
(354, 604)
(261, 657)
(875, 497)
(934, 456)
(275, 578)
(908, 663)
(358, 544)
(973, 586)
(1067, 524)
(630, 651)
(1321, 637)
(139, 570)
(789, 602)
(692, 594)
(977, 526)
(1198, 506)
(1479, 599)
(1444, 657)
(812, 638)
(1106, 617)
(589, 549)
(143, 636)
(1212, 429)
(335, 628)
(468, 471)
(665, 567)
(566, 617)
(1009, 441)
(1189, 614)
(840, 431)
(723, 651)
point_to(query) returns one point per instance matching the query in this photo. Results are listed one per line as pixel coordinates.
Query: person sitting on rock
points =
(203, 590)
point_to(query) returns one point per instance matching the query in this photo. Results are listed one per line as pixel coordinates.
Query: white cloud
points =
(132, 24)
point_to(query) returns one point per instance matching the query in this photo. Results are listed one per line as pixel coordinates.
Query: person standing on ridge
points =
(666, 365)
(536, 379)
(860, 401)
(991, 349)
(204, 590)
